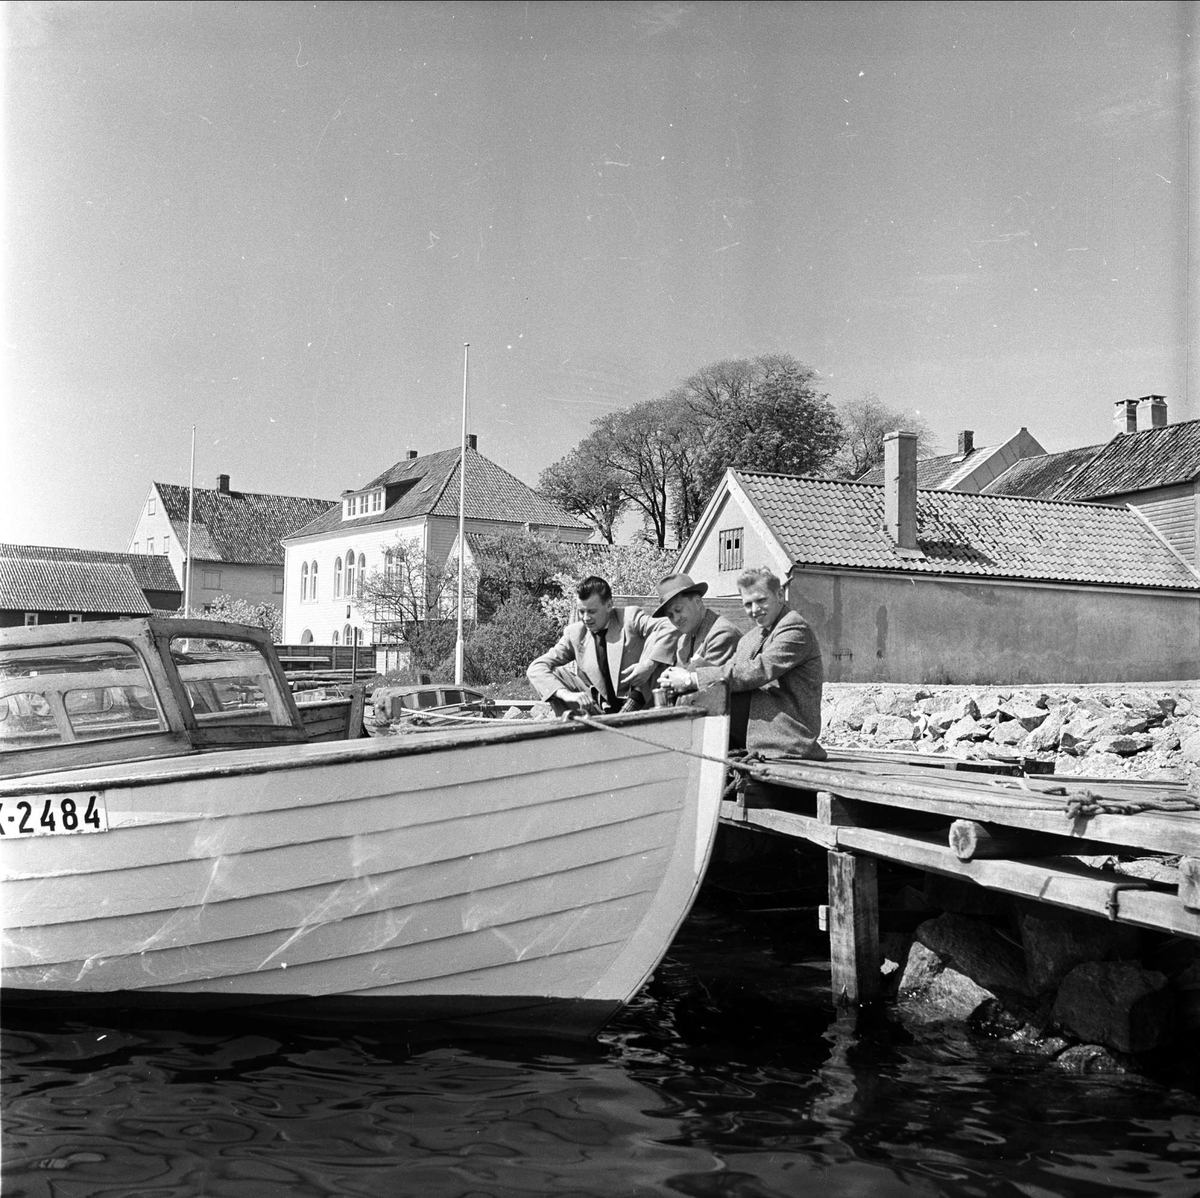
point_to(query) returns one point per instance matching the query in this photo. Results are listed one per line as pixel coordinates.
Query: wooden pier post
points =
(853, 929)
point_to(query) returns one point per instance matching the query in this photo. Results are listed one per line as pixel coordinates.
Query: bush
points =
(502, 649)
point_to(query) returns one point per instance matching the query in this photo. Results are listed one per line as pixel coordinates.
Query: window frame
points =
(729, 556)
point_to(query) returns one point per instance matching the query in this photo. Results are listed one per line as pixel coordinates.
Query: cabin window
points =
(337, 578)
(312, 583)
(362, 573)
(228, 683)
(65, 693)
(729, 549)
(304, 583)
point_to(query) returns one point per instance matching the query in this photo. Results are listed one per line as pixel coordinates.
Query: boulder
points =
(930, 992)
(1088, 1058)
(1119, 1004)
(1055, 942)
(889, 702)
(966, 729)
(1123, 746)
(1189, 747)
(1027, 715)
(1078, 734)
(1045, 735)
(889, 728)
(1009, 732)
(989, 706)
(974, 947)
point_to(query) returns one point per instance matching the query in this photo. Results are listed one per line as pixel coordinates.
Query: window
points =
(350, 574)
(137, 547)
(377, 501)
(729, 549)
(312, 584)
(362, 573)
(389, 567)
(149, 544)
(348, 635)
(76, 617)
(166, 545)
(337, 578)
(212, 580)
(304, 583)
(150, 506)
(306, 637)
(279, 585)
(31, 619)
(334, 639)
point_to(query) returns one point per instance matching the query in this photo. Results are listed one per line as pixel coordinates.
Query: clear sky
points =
(280, 222)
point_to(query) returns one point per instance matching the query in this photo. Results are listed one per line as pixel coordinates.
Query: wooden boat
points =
(171, 838)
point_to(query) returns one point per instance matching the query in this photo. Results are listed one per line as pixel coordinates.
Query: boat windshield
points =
(228, 682)
(64, 693)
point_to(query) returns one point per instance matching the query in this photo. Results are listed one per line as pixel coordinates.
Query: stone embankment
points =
(1140, 731)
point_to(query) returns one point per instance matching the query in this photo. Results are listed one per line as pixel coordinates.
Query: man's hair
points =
(594, 585)
(747, 578)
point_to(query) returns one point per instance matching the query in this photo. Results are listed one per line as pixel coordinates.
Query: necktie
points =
(610, 693)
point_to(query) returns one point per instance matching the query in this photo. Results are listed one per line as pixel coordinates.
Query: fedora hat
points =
(675, 585)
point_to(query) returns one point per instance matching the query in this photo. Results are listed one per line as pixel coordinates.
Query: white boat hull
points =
(511, 877)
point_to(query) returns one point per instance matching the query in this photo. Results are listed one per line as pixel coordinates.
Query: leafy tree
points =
(501, 649)
(586, 485)
(516, 564)
(239, 611)
(629, 570)
(866, 422)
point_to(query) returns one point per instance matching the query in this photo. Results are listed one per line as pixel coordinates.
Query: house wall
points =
(1174, 512)
(908, 628)
(10, 618)
(703, 563)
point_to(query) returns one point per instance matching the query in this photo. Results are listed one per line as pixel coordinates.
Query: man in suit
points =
(618, 653)
(705, 638)
(777, 665)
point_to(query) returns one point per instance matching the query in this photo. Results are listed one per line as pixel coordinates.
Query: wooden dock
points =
(1044, 838)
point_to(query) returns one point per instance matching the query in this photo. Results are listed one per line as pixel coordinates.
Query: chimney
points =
(1151, 412)
(966, 442)
(410, 454)
(473, 442)
(223, 484)
(900, 489)
(1125, 416)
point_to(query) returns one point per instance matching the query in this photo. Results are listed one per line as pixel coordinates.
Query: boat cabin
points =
(124, 690)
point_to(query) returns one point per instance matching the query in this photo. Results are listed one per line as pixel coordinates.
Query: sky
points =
(280, 223)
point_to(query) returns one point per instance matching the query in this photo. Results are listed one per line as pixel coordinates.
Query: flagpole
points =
(462, 504)
(187, 563)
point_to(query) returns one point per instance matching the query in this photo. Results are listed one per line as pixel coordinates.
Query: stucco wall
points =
(879, 628)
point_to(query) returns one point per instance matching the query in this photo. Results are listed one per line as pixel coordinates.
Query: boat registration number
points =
(56, 815)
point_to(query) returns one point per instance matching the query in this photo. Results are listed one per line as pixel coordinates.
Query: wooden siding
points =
(1173, 512)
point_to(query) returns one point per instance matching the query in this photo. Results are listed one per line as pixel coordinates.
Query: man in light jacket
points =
(618, 653)
(778, 665)
(705, 638)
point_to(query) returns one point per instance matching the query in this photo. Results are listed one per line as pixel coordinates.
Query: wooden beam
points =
(1189, 882)
(974, 841)
(853, 929)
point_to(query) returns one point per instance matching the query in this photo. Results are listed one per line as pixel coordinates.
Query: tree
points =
(866, 422)
(518, 631)
(628, 569)
(585, 485)
(517, 564)
(240, 611)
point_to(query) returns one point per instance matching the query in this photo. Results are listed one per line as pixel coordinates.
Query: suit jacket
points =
(782, 670)
(630, 636)
(713, 645)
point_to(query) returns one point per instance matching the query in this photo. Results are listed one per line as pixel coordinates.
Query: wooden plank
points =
(354, 724)
(1189, 883)
(973, 841)
(853, 920)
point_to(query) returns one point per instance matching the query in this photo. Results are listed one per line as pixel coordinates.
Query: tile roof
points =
(32, 584)
(153, 571)
(837, 523)
(1043, 476)
(1155, 457)
(933, 472)
(238, 526)
(431, 489)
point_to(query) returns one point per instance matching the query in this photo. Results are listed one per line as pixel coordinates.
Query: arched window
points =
(304, 583)
(312, 586)
(337, 578)
(350, 574)
(334, 638)
(389, 567)
(348, 635)
(362, 573)
(306, 637)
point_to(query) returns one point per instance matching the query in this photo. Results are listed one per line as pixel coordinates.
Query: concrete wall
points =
(881, 628)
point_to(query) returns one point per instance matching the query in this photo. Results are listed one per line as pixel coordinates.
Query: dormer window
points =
(360, 505)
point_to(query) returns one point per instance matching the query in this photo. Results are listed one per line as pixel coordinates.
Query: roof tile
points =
(153, 571)
(94, 586)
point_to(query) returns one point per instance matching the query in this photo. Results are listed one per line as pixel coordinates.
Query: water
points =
(730, 1076)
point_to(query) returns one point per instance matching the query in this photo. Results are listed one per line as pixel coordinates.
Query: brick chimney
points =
(900, 489)
(473, 442)
(410, 454)
(1125, 416)
(966, 442)
(1151, 412)
(223, 484)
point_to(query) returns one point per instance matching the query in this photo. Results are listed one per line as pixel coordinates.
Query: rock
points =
(1118, 1004)
(1055, 942)
(975, 948)
(992, 1018)
(1009, 732)
(1027, 715)
(930, 991)
(1183, 707)
(989, 706)
(1088, 1058)
(1190, 748)
(891, 728)
(1078, 734)
(513, 713)
(1123, 746)
(920, 968)
(542, 711)
(851, 712)
(894, 702)
(961, 709)
(966, 729)
(1045, 735)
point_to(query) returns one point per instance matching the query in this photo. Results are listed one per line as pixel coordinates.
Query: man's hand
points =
(638, 675)
(580, 699)
(678, 679)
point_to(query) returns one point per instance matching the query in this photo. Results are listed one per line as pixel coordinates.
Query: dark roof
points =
(837, 523)
(431, 489)
(153, 571)
(238, 526)
(1155, 457)
(32, 584)
(932, 472)
(1041, 477)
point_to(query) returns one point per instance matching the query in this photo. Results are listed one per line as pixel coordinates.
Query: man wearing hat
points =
(705, 638)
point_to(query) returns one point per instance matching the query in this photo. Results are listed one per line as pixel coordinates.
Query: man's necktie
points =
(610, 692)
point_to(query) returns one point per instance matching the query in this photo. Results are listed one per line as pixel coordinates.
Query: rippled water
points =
(731, 1075)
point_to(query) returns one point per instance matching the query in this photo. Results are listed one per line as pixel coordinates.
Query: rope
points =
(1087, 802)
(746, 763)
